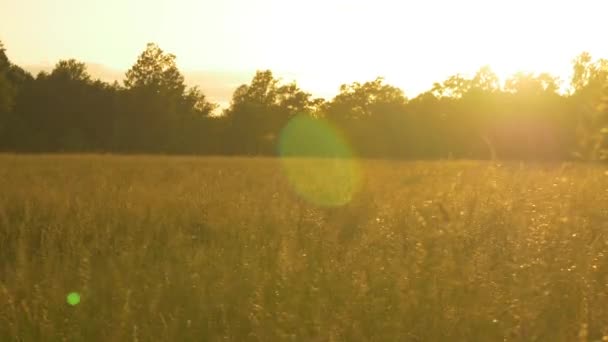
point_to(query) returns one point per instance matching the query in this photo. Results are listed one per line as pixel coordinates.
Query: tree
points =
(13, 74)
(485, 80)
(455, 87)
(4, 62)
(260, 110)
(6, 91)
(157, 71)
(65, 110)
(70, 70)
(531, 84)
(157, 104)
(12, 80)
(602, 139)
(196, 103)
(358, 101)
(154, 111)
(262, 91)
(6, 94)
(583, 70)
(6, 105)
(588, 84)
(372, 116)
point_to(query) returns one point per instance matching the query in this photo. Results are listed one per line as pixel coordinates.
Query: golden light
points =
(319, 43)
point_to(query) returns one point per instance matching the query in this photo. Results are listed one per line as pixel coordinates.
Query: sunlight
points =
(414, 44)
(321, 43)
(303, 170)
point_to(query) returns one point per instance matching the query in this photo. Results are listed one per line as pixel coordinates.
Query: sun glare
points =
(322, 44)
(414, 44)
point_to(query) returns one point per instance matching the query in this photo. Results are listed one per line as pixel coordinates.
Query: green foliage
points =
(156, 70)
(4, 62)
(589, 83)
(64, 110)
(259, 111)
(6, 89)
(485, 80)
(6, 94)
(210, 249)
(603, 112)
(372, 116)
(454, 87)
(6, 106)
(532, 85)
(71, 71)
(479, 117)
(12, 80)
(157, 109)
(357, 101)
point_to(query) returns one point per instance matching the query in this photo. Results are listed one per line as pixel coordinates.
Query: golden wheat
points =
(210, 249)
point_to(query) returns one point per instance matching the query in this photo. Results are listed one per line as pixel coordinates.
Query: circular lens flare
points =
(73, 298)
(318, 161)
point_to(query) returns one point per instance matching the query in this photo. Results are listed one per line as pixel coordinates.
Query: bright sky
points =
(320, 43)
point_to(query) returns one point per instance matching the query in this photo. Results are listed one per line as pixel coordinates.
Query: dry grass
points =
(212, 249)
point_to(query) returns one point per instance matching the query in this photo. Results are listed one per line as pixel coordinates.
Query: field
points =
(218, 249)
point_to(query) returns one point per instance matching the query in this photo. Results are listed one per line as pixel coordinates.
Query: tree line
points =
(153, 111)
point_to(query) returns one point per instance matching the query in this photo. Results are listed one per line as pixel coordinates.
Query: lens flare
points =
(73, 298)
(318, 162)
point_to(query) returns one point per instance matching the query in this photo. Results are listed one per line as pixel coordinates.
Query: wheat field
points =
(219, 249)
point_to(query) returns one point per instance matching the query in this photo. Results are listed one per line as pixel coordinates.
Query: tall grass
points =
(212, 249)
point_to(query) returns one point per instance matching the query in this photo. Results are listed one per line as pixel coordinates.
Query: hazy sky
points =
(320, 43)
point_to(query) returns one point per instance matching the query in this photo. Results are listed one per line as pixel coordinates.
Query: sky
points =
(319, 43)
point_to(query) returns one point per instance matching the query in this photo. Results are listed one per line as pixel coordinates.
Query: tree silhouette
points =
(588, 84)
(529, 84)
(154, 111)
(6, 94)
(12, 81)
(65, 111)
(485, 80)
(371, 115)
(156, 103)
(157, 71)
(260, 110)
(6, 88)
(455, 87)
